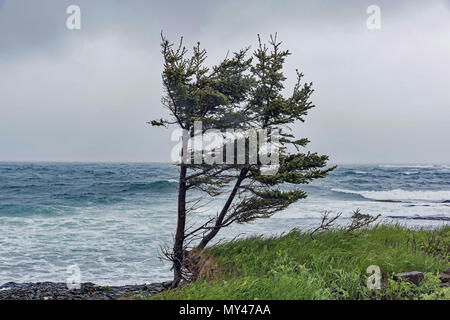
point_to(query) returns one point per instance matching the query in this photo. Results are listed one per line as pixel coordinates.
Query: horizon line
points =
(168, 162)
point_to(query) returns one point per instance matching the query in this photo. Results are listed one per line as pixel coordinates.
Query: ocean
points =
(110, 220)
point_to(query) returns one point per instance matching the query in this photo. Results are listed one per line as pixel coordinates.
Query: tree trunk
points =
(208, 237)
(178, 250)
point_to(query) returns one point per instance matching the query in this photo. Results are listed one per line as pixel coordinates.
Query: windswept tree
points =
(243, 92)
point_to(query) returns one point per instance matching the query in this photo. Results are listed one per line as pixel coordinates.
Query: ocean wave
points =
(354, 172)
(436, 218)
(411, 172)
(88, 198)
(401, 195)
(418, 166)
(160, 185)
(22, 210)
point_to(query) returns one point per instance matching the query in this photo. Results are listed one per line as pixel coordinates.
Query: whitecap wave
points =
(401, 195)
(418, 166)
(410, 172)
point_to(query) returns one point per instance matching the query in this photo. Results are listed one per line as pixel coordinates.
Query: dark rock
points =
(413, 276)
(87, 291)
(445, 277)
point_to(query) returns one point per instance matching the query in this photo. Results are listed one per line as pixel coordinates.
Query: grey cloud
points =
(85, 95)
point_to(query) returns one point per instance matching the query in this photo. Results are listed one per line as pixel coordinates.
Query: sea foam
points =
(401, 195)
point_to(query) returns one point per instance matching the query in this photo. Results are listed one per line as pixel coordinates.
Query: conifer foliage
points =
(244, 91)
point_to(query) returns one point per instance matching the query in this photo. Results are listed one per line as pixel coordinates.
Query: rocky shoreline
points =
(87, 291)
(91, 291)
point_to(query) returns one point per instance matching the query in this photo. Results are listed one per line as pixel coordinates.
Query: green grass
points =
(331, 266)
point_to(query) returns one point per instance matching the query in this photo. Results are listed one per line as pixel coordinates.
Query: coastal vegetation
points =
(330, 265)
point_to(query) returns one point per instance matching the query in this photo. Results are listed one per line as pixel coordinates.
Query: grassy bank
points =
(330, 266)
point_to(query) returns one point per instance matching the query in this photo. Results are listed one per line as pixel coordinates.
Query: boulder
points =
(413, 276)
(445, 276)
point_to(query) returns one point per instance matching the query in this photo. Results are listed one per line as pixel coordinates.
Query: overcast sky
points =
(382, 96)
